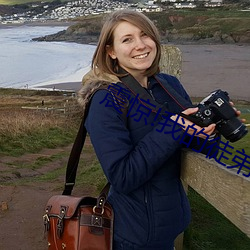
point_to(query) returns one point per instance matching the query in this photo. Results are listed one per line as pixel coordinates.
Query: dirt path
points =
(21, 224)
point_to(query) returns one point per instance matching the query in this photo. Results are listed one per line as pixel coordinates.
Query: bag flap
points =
(68, 203)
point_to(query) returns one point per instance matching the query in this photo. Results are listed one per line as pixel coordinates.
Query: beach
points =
(61, 65)
(206, 68)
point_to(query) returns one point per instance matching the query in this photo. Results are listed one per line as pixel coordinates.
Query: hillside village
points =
(61, 11)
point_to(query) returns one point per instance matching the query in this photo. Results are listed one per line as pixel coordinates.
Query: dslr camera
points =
(216, 108)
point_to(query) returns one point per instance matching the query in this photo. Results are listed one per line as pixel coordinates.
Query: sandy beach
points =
(209, 67)
(206, 68)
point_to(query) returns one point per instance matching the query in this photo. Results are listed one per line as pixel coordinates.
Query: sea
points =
(26, 64)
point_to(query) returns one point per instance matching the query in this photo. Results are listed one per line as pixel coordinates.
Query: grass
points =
(91, 172)
(210, 230)
(218, 13)
(23, 131)
(31, 133)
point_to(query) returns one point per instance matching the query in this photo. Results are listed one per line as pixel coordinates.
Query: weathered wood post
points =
(171, 60)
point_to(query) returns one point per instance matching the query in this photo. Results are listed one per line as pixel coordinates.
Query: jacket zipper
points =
(151, 93)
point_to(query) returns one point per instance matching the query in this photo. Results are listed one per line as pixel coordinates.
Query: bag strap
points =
(75, 154)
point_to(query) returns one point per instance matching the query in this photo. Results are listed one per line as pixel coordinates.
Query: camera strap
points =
(135, 87)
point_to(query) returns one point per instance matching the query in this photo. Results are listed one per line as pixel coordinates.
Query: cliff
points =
(173, 28)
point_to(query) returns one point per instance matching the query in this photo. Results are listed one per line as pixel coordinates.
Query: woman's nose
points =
(139, 44)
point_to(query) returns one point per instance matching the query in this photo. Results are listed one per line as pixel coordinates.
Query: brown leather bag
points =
(82, 223)
(78, 223)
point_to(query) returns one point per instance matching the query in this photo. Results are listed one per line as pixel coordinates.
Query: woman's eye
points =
(126, 40)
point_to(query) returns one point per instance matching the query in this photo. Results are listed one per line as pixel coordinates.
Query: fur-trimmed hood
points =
(92, 81)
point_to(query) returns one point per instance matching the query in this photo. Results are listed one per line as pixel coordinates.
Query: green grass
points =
(91, 173)
(210, 230)
(39, 162)
(221, 13)
(34, 142)
(51, 176)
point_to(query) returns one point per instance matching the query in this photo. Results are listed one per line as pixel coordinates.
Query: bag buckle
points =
(46, 221)
(95, 212)
(96, 221)
(59, 224)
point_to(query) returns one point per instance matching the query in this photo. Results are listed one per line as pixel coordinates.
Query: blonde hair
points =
(103, 62)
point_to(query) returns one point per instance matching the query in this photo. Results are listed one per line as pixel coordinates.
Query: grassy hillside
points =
(216, 26)
(42, 124)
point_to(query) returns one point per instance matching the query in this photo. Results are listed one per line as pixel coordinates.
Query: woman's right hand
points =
(186, 124)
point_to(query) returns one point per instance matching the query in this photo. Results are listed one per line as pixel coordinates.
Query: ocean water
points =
(205, 68)
(27, 64)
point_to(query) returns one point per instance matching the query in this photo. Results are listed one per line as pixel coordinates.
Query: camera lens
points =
(233, 130)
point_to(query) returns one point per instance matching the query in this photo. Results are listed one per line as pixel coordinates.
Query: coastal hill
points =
(174, 26)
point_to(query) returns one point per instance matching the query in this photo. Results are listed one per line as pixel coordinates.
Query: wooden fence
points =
(67, 109)
(226, 190)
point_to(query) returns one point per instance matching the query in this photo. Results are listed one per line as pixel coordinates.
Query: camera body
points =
(216, 108)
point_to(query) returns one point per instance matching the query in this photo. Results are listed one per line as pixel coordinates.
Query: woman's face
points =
(134, 50)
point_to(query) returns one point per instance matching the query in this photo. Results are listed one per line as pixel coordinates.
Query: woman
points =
(138, 157)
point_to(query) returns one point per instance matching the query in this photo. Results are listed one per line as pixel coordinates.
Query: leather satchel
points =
(82, 223)
(78, 223)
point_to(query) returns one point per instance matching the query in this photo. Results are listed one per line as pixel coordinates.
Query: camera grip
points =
(194, 119)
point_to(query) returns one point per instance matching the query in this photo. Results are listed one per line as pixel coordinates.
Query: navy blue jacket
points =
(142, 163)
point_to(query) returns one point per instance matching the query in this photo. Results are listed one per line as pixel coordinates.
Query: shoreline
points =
(48, 23)
(61, 86)
(205, 68)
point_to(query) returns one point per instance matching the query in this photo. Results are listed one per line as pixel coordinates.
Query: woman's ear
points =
(110, 52)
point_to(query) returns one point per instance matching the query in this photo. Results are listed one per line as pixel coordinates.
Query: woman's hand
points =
(185, 123)
(238, 113)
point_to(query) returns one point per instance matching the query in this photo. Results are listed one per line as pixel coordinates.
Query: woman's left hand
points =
(238, 113)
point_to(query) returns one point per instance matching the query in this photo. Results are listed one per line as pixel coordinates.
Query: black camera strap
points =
(135, 87)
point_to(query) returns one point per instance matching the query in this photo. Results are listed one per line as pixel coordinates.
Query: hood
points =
(92, 81)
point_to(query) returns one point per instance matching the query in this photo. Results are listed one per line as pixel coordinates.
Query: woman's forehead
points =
(126, 28)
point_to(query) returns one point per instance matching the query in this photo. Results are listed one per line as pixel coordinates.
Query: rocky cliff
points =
(173, 28)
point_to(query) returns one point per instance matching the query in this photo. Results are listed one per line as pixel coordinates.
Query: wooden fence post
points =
(171, 60)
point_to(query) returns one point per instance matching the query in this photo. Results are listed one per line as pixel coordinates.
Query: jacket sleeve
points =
(125, 165)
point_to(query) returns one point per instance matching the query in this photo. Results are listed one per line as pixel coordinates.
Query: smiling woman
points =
(131, 125)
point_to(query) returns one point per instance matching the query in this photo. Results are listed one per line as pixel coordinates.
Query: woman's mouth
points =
(141, 56)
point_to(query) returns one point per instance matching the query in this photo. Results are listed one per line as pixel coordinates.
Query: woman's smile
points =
(142, 56)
